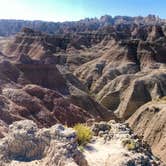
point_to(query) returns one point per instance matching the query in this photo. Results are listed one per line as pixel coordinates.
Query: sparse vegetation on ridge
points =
(160, 100)
(130, 144)
(84, 133)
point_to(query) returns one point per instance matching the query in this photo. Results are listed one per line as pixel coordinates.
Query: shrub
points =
(84, 133)
(81, 148)
(130, 144)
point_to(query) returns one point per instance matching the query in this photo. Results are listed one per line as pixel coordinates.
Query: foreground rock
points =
(115, 145)
(149, 123)
(27, 145)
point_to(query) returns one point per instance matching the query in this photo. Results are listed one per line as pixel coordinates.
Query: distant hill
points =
(10, 27)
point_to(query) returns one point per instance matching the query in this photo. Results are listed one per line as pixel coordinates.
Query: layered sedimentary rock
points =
(10, 27)
(130, 72)
(120, 62)
(62, 49)
(41, 93)
(126, 93)
(149, 123)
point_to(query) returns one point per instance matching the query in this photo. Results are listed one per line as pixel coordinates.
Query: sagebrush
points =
(84, 133)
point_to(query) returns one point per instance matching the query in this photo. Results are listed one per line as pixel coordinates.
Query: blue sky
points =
(63, 10)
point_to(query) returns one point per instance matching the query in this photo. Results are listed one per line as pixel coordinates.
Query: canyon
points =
(107, 69)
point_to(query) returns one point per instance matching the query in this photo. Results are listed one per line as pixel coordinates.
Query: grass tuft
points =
(130, 144)
(84, 133)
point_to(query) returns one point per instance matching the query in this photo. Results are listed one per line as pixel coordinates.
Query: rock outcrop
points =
(25, 144)
(123, 57)
(116, 145)
(134, 67)
(148, 122)
(126, 93)
(62, 49)
(42, 94)
(43, 106)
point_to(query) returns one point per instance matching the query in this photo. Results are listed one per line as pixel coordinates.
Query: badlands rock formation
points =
(103, 69)
(148, 122)
(10, 27)
(129, 73)
(128, 92)
(41, 93)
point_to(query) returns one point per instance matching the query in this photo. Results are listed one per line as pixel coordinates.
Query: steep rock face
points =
(128, 67)
(149, 123)
(38, 45)
(152, 54)
(126, 93)
(155, 32)
(75, 49)
(44, 106)
(62, 49)
(45, 75)
(35, 44)
(122, 57)
(118, 60)
(41, 93)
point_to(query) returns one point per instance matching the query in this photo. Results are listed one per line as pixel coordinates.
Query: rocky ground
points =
(25, 144)
(112, 144)
(148, 122)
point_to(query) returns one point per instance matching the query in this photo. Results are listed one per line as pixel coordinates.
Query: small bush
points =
(130, 144)
(84, 133)
(81, 148)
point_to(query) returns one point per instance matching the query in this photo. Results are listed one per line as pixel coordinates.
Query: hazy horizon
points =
(74, 10)
(73, 20)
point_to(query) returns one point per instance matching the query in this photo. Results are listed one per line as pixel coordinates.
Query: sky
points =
(73, 10)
